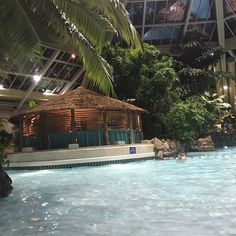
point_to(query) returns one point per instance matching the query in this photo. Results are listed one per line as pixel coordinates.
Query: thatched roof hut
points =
(81, 116)
(82, 98)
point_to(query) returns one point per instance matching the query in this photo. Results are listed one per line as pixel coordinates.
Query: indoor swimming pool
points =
(193, 197)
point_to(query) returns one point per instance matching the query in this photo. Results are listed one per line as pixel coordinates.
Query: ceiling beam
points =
(221, 29)
(16, 94)
(33, 85)
(187, 17)
(178, 23)
(73, 81)
(43, 77)
(144, 18)
(230, 43)
(230, 16)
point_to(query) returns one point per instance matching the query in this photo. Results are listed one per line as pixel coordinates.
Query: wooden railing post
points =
(106, 133)
(73, 126)
(131, 131)
(21, 132)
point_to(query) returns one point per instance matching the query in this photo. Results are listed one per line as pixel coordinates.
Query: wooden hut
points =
(80, 116)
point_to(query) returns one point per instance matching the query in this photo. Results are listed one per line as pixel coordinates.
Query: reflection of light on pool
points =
(142, 198)
(122, 166)
(36, 173)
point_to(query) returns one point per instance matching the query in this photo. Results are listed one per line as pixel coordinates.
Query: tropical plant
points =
(4, 140)
(149, 79)
(126, 64)
(32, 104)
(194, 64)
(215, 102)
(79, 26)
(190, 119)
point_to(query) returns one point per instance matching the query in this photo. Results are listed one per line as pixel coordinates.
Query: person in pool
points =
(181, 156)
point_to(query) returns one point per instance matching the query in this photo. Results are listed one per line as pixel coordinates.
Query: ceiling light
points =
(37, 78)
(48, 92)
(73, 56)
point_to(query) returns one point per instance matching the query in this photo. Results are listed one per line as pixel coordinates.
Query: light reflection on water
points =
(192, 197)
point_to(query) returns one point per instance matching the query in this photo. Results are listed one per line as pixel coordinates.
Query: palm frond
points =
(116, 13)
(97, 69)
(91, 24)
(18, 39)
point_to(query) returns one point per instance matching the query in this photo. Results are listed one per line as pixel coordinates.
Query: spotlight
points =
(73, 56)
(37, 78)
(48, 92)
(1, 87)
(225, 87)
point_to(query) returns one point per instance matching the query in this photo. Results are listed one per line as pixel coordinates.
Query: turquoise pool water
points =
(193, 197)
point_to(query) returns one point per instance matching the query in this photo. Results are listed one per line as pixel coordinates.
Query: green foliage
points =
(32, 104)
(189, 119)
(194, 64)
(4, 140)
(215, 102)
(176, 93)
(156, 90)
(195, 81)
(126, 64)
(149, 78)
(3, 156)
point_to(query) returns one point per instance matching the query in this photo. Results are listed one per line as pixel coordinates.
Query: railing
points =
(85, 138)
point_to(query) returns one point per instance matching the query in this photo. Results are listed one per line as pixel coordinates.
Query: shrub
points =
(188, 120)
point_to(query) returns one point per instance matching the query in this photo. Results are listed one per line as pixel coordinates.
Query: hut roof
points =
(82, 98)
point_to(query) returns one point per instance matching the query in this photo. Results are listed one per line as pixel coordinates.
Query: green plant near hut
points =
(4, 140)
(149, 79)
(3, 156)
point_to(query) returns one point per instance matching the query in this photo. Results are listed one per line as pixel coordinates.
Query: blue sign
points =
(132, 150)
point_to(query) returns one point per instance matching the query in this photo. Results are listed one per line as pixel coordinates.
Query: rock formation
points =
(166, 149)
(203, 145)
(5, 183)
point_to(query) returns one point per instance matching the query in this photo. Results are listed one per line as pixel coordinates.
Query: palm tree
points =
(79, 26)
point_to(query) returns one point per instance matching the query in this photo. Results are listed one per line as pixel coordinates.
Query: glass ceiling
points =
(57, 68)
(164, 22)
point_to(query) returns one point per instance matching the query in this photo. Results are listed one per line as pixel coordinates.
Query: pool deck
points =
(89, 156)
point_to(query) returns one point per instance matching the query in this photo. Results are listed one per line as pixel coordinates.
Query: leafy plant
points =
(148, 78)
(190, 119)
(32, 104)
(4, 140)
(194, 64)
(215, 101)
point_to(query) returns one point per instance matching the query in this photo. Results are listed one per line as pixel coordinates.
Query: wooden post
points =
(73, 126)
(106, 133)
(43, 131)
(131, 131)
(140, 125)
(21, 132)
